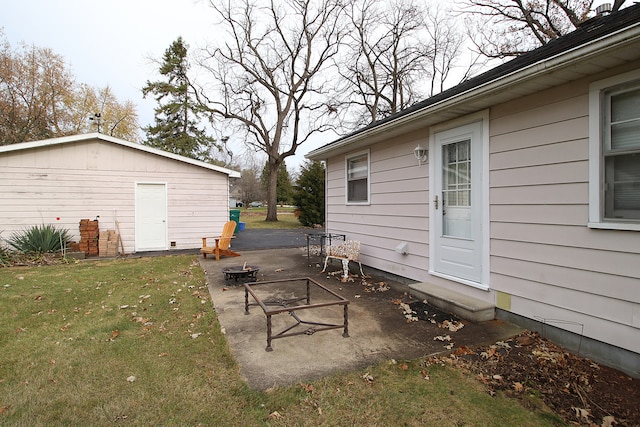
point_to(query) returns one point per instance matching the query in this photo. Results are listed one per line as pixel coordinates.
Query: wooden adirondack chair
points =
(222, 242)
(345, 252)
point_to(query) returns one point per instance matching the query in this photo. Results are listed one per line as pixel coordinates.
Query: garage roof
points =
(93, 136)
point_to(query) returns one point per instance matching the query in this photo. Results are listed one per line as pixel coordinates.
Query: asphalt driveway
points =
(251, 240)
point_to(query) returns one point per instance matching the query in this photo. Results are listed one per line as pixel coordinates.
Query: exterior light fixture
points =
(422, 154)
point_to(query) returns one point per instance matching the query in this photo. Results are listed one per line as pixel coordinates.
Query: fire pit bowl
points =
(236, 272)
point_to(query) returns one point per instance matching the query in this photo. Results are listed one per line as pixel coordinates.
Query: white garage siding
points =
(87, 177)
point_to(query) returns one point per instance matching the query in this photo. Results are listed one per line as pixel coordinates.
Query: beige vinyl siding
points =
(398, 209)
(509, 274)
(555, 268)
(546, 261)
(86, 179)
(542, 254)
(613, 263)
(615, 333)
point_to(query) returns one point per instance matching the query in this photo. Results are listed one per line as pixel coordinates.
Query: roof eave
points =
(135, 146)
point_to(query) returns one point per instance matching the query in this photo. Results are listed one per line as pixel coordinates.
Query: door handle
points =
(436, 202)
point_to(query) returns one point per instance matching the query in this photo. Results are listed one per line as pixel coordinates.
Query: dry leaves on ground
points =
(577, 389)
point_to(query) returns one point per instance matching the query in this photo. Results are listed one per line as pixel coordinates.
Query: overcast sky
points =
(112, 42)
(108, 42)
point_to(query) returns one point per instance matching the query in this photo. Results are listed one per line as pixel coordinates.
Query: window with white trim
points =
(621, 151)
(618, 152)
(357, 171)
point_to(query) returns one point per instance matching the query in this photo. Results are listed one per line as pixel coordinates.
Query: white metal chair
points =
(345, 252)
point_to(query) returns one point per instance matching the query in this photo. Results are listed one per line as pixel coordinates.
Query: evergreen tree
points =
(177, 116)
(309, 194)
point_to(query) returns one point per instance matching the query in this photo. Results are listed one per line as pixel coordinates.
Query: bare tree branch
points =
(506, 28)
(269, 74)
(396, 54)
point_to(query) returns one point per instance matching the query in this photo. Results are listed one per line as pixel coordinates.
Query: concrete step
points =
(464, 307)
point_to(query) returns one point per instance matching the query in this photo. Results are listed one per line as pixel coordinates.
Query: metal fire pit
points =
(236, 272)
(295, 305)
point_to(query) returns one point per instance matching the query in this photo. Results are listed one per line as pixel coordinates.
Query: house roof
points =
(598, 44)
(98, 136)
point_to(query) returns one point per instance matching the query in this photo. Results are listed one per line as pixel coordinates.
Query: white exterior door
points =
(456, 205)
(151, 217)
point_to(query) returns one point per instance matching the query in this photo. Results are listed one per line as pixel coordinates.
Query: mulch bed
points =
(529, 367)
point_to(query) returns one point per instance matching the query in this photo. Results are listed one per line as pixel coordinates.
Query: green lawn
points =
(255, 218)
(136, 342)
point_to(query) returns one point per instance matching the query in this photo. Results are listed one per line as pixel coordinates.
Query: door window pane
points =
(456, 166)
(456, 189)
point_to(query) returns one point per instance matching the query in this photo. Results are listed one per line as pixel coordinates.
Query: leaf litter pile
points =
(529, 366)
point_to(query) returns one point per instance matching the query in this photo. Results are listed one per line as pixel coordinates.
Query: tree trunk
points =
(272, 196)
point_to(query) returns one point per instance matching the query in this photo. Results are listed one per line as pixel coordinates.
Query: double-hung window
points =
(615, 134)
(357, 177)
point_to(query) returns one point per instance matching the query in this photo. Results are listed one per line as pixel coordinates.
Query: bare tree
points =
(35, 87)
(98, 110)
(250, 185)
(269, 74)
(505, 28)
(385, 55)
(40, 99)
(397, 53)
(448, 43)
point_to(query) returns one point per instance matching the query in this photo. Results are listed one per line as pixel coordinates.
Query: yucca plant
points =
(40, 239)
